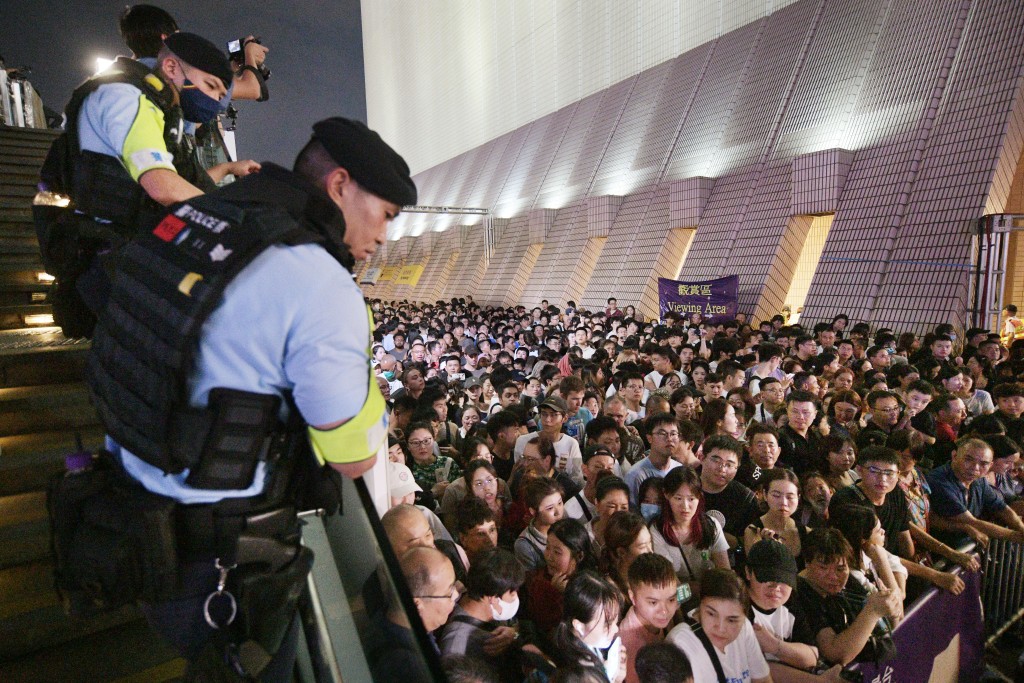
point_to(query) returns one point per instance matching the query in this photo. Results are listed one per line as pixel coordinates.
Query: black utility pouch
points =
(315, 486)
(114, 543)
(267, 601)
(238, 437)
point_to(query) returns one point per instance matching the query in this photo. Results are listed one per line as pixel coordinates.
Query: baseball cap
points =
(556, 403)
(772, 561)
(471, 382)
(400, 480)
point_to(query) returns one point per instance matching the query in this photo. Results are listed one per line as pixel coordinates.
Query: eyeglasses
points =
(484, 482)
(453, 596)
(882, 474)
(421, 442)
(663, 434)
(722, 464)
(890, 411)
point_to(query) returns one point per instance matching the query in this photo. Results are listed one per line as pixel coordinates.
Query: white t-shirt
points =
(655, 377)
(742, 660)
(567, 450)
(575, 507)
(697, 560)
(780, 621)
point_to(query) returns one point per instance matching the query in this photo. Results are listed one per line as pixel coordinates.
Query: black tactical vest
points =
(99, 185)
(166, 285)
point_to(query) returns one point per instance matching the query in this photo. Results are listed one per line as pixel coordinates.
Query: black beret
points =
(200, 53)
(367, 158)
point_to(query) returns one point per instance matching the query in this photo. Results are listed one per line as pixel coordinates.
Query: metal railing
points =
(355, 576)
(1002, 587)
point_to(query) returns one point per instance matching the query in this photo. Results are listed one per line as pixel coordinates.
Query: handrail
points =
(352, 557)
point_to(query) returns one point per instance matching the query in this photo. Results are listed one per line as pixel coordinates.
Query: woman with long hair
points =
(684, 533)
(568, 551)
(781, 490)
(719, 417)
(870, 564)
(587, 635)
(837, 455)
(469, 425)
(626, 537)
(699, 371)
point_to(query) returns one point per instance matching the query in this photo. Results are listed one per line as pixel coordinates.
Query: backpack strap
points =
(698, 631)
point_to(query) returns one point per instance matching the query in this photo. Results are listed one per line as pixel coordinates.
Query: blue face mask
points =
(649, 510)
(197, 106)
(389, 375)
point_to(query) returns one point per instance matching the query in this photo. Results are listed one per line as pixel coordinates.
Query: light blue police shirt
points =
(292, 320)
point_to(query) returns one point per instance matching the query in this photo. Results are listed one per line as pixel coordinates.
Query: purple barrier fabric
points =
(941, 640)
(716, 300)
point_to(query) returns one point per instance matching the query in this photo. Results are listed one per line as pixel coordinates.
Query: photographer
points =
(145, 27)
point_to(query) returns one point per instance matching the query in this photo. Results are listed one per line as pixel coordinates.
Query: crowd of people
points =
(607, 498)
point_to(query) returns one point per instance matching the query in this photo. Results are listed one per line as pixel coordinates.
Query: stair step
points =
(19, 189)
(18, 132)
(24, 529)
(35, 367)
(129, 653)
(28, 461)
(32, 618)
(22, 156)
(25, 244)
(27, 146)
(26, 410)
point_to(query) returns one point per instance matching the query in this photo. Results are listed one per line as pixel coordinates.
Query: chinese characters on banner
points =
(716, 300)
(941, 640)
(409, 275)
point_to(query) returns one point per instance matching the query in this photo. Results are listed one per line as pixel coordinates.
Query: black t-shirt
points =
(924, 422)
(872, 435)
(750, 475)
(816, 612)
(1014, 427)
(737, 503)
(798, 453)
(503, 466)
(894, 514)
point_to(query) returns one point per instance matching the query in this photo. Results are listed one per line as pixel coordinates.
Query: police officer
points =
(234, 338)
(123, 158)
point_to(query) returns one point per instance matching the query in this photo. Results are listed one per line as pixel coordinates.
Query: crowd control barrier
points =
(1002, 589)
(940, 640)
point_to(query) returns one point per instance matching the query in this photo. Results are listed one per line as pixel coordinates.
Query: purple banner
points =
(941, 639)
(716, 300)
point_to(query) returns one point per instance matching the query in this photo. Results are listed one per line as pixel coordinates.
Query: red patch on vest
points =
(169, 228)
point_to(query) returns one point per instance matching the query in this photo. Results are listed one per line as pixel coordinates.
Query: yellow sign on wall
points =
(388, 273)
(410, 275)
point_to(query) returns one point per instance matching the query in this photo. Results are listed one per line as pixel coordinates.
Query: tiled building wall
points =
(445, 76)
(903, 118)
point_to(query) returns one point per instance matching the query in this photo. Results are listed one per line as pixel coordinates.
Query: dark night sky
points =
(316, 55)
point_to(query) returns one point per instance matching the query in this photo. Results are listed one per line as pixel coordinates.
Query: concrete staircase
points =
(43, 404)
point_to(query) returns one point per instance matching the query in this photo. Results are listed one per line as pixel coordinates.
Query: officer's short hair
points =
(142, 27)
(314, 162)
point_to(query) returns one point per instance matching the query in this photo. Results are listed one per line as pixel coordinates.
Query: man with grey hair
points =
(962, 500)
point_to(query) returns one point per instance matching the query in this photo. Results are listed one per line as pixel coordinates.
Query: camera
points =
(236, 53)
